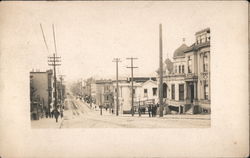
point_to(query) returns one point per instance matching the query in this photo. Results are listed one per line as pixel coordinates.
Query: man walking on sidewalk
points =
(56, 114)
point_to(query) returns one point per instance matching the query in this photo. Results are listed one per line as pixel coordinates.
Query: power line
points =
(54, 36)
(117, 60)
(44, 39)
(54, 61)
(132, 84)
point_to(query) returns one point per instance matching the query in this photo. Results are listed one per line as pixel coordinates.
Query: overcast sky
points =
(90, 34)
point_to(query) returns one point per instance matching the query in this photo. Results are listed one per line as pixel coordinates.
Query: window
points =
(175, 69)
(205, 63)
(183, 69)
(208, 36)
(181, 91)
(134, 91)
(206, 90)
(179, 68)
(189, 65)
(154, 91)
(203, 39)
(165, 87)
(173, 91)
(198, 39)
(145, 92)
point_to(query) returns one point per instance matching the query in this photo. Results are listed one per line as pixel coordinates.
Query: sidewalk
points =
(169, 116)
(46, 123)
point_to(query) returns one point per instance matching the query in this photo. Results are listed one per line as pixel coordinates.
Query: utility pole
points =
(132, 84)
(117, 60)
(161, 73)
(54, 61)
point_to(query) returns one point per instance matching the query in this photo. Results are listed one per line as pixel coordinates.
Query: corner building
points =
(186, 83)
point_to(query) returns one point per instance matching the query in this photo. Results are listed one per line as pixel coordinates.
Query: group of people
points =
(152, 110)
(54, 112)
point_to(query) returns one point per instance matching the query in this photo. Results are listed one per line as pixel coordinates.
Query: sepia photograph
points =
(124, 79)
(176, 94)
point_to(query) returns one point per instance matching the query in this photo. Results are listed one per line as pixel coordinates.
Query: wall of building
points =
(40, 83)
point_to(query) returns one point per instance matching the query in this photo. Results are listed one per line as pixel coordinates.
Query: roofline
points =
(39, 72)
(206, 29)
(197, 47)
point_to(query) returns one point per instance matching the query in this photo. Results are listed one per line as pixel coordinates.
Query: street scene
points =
(166, 88)
(124, 79)
(78, 114)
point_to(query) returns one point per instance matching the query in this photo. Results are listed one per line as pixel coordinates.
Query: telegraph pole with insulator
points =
(132, 84)
(117, 60)
(161, 72)
(55, 61)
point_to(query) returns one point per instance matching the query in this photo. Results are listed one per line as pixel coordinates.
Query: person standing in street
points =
(154, 111)
(149, 110)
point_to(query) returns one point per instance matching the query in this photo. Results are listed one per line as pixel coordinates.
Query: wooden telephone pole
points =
(132, 84)
(54, 61)
(161, 72)
(117, 60)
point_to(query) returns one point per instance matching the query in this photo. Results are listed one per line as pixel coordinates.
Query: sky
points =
(89, 35)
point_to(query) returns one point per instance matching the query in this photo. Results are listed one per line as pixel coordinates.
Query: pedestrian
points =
(154, 111)
(61, 112)
(149, 110)
(56, 113)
